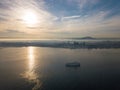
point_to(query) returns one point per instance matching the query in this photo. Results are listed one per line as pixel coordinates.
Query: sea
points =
(41, 65)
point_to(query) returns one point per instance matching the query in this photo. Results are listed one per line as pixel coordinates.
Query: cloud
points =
(84, 3)
(13, 31)
(70, 17)
(19, 8)
(3, 5)
(3, 19)
(91, 25)
(64, 17)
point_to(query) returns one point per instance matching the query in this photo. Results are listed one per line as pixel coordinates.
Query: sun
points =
(30, 18)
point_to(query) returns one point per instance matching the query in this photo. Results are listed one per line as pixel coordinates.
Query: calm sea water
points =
(38, 68)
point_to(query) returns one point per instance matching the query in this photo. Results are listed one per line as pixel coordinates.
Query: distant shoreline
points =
(63, 44)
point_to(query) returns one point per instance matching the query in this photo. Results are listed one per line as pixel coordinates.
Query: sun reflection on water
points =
(31, 75)
(31, 64)
(31, 58)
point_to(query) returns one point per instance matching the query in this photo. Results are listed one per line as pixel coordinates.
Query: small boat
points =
(73, 64)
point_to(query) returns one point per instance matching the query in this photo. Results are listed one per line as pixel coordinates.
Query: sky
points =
(59, 18)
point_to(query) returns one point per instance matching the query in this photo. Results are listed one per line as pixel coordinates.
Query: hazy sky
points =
(59, 18)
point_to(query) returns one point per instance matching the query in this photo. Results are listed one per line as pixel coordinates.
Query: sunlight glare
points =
(30, 17)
